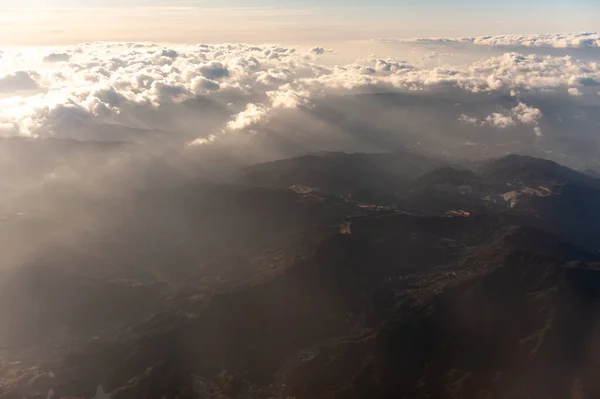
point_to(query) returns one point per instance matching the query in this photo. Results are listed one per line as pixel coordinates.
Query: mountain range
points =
(326, 276)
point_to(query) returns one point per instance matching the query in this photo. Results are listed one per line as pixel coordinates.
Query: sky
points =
(38, 22)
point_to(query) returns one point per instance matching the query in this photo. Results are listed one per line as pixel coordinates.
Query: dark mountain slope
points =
(341, 173)
(517, 326)
(447, 176)
(571, 211)
(260, 292)
(405, 305)
(140, 251)
(529, 170)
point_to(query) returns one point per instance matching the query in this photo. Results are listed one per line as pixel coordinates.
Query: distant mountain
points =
(571, 211)
(529, 170)
(593, 173)
(447, 175)
(450, 188)
(340, 173)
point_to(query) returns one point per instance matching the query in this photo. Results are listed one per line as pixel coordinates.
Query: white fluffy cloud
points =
(18, 80)
(500, 121)
(572, 40)
(211, 89)
(520, 114)
(569, 40)
(253, 114)
(526, 115)
(116, 83)
(57, 57)
(507, 72)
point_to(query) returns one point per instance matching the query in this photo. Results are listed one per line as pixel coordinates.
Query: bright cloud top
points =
(205, 91)
(522, 114)
(569, 40)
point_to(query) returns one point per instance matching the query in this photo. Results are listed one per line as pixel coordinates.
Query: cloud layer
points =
(569, 40)
(144, 114)
(198, 94)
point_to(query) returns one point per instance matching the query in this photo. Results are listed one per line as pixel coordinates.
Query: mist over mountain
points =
(326, 274)
(354, 214)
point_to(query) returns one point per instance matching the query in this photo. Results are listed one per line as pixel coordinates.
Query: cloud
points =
(133, 84)
(57, 57)
(19, 80)
(520, 114)
(202, 85)
(213, 70)
(505, 73)
(320, 50)
(423, 40)
(526, 115)
(500, 121)
(170, 53)
(469, 120)
(253, 114)
(203, 140)
(164, 92)
(189, 92)
(569, 40)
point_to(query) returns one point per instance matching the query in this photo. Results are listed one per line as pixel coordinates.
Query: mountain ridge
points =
(456, 283)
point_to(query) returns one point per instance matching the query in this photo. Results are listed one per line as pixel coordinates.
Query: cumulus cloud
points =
(568, 40)
(213, 70)
(508, 72)
(253, 114)
(134, 83)
(526, 115)
(469, 120)
(520, 114)
(202, 85)
(499, 120)
(19, 80)
(424, 40)
(164, 92)
(320, 50)
(203, 140)
(170, 53)
(57, 57)
(203, 90)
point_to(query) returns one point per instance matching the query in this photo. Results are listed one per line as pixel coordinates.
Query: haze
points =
(68, 22)
(204, 196)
